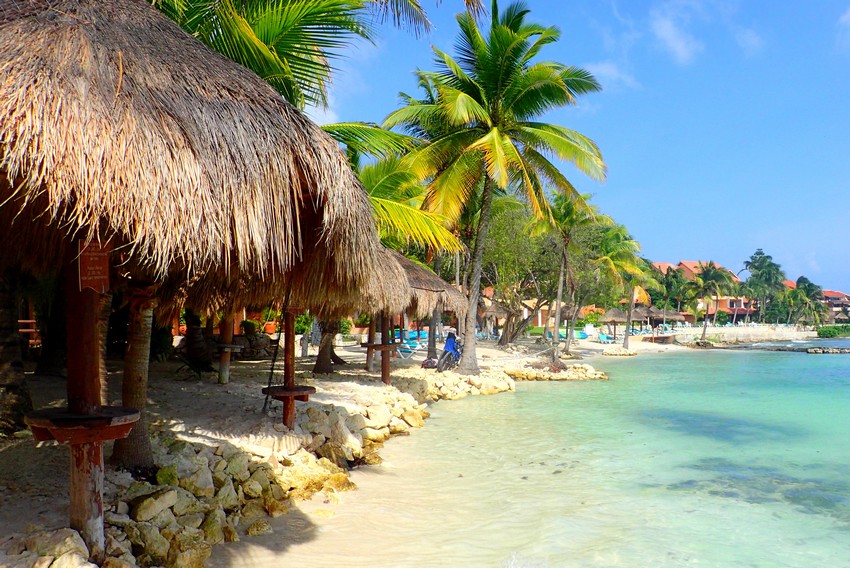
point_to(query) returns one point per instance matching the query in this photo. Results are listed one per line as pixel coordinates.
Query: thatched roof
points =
(115, 123)
(496, 310)
(613, 316)
(429, 291)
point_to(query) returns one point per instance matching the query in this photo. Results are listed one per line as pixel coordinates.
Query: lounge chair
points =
(605, 339)
(408, 349)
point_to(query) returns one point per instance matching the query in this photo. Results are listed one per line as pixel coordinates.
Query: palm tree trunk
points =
(469, 362)
(556, 339)
(705, 322)
(629, 317)
(134, 452)
(664, 317)
(15, 399)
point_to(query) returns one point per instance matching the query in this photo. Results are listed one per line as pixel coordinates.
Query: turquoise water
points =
(711, 458)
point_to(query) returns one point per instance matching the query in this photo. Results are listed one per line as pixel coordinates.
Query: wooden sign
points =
(93, 262)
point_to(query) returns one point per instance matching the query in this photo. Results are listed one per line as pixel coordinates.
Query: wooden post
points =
(289, 366)
(370, 339)
(385, 353)
(225, 330)
(84, 397)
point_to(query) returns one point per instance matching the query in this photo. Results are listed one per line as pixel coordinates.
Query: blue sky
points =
(724, 123)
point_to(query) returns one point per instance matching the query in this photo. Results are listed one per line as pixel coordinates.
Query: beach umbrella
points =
(126, 145)
(613, 316)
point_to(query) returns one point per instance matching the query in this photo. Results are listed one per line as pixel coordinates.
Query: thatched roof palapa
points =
(613, 316)
(116, 124)
(428, 291)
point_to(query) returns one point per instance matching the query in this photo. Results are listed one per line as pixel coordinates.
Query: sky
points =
(725, 124)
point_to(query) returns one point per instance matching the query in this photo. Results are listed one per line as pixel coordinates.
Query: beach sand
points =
(34, 476)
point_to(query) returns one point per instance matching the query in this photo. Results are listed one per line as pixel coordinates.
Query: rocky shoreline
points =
(207, 491)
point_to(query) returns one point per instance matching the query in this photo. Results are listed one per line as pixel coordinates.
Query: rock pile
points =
(208, 490)
(619, 352)
(427, 385)
(570, 373)
(827, 351)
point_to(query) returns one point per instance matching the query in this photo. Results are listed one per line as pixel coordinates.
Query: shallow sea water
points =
(717, 458)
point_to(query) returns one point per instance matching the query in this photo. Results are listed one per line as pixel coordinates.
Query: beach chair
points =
(605, 339)
(408, 349)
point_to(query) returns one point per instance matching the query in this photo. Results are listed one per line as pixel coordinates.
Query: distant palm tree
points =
(488, 99)
(765, 281)
(672, 284)
(710, 281)
(567, 216)
(620, 262)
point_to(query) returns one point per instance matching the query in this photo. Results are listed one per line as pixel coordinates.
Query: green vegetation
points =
(829, 331)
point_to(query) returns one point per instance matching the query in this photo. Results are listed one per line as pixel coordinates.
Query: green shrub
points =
(303, 323)
(362, 320)
(827, 331)
(345, 326)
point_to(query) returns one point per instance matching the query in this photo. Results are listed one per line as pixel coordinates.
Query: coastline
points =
(202, 411)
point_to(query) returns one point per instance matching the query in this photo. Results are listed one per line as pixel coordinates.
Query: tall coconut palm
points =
(566, 217)
(619, 261)
(672, 283)
(710, 282)
(488, 98)
(765, 279)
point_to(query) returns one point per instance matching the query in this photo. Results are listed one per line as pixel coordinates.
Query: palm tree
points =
(672, 283)
(619, 261)
(806, 302)
(488, 99)
(711, 281)
(765, 279)
(566, 216)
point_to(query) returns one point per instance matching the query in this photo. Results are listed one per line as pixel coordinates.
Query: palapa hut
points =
(613, 316)
(125, 144)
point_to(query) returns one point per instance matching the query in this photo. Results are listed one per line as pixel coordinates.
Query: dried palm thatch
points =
(428, 291)
(385, 288)
(116, 124)
(613, 316)
(496, 310)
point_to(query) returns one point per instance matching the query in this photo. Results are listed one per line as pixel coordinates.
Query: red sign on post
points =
(93, 261)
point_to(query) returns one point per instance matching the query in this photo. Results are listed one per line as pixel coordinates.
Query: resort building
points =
(738, 307)
(838, 304)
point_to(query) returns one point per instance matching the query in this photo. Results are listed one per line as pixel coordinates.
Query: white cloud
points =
(670, 29)
(323, 116)
(609, 74)
(844, 30)
(749, 40)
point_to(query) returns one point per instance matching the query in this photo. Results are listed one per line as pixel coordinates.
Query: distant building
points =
(838, 304)
(736, 306)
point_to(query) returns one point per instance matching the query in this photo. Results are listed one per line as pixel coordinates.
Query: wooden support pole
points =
(385, 354)
(84, 397)
(225, 330)
(370, 338)
(289, 366)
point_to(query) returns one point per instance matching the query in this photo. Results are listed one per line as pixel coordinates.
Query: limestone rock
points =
(227, 496)
(112, 562)
(147, 507)
(413, 417)
(230, 534)
(192, 520)
(57, 543)
(167, 475)
(213, 527)
(188, 549)
(259, 527)
(72, 560)
(155, 545)
(199, 483)
(252, 489)
(187, 503)
(237, 466)
(339, 482)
